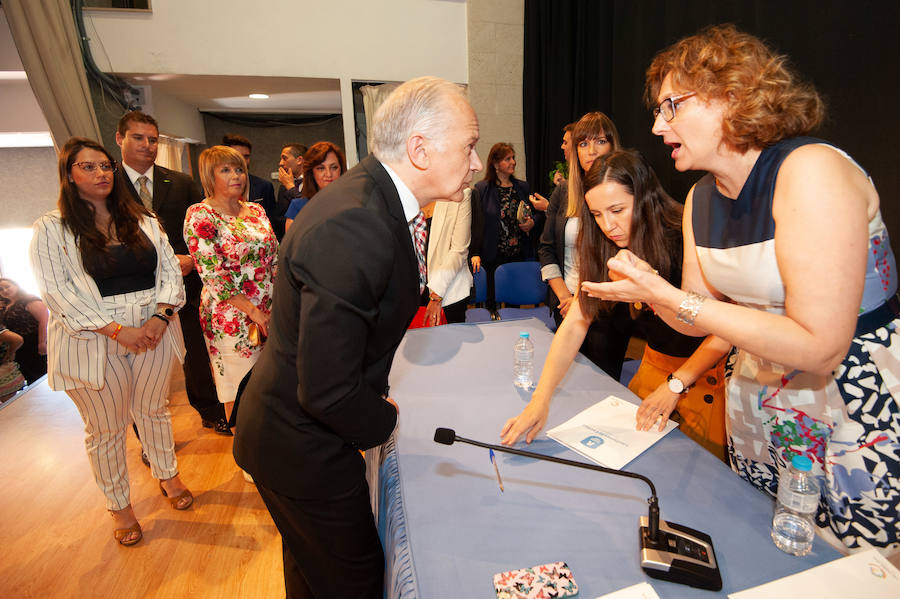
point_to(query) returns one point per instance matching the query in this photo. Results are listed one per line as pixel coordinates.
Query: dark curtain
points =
(583, 55)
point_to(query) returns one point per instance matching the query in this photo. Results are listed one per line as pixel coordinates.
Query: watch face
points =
(168, 312)
(675, 385)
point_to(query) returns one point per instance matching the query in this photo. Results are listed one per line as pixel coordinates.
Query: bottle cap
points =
(802, 463)
(523, 335)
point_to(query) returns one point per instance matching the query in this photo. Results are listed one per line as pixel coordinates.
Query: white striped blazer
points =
(76, 355)
(448, 249)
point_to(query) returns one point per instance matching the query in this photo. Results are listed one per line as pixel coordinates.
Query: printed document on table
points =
(606, 433)
(867, 574)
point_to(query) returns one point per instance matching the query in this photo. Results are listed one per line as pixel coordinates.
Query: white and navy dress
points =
(847, 422)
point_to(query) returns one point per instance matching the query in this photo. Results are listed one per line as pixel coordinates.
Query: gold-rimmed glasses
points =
(90, 167)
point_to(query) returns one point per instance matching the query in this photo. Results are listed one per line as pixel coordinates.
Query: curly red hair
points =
(766, 102)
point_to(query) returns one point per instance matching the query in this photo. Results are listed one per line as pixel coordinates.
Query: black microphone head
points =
(445, 436)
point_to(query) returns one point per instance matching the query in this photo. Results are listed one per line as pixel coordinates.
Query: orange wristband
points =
(116, 333)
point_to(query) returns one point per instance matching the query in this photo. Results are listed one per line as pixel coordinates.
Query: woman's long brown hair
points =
(655, 223)
(78, 214)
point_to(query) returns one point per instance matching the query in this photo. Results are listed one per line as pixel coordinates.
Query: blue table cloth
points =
(447, 528)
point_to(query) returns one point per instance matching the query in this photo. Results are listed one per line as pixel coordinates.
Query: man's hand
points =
(286, 178)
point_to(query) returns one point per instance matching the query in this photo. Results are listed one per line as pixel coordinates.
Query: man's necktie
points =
(144, 192)
(418, 229)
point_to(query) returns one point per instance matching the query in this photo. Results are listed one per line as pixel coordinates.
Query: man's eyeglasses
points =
(90, 167)
(667, 106)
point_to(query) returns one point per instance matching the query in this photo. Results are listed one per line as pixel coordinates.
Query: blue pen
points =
(496, 470)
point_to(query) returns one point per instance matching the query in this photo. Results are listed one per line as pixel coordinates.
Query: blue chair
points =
(479, 314)
(520, 284)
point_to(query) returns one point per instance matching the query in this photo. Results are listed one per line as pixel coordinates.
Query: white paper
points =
(642, 590)
(605, 433)
(867, 574)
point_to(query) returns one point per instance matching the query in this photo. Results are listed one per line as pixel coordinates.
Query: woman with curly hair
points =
(786, 257)
(234, 249)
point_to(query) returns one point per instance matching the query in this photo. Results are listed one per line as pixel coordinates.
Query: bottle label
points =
(803, 503)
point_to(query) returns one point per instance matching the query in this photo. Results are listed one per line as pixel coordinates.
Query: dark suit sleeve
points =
(477, 224)
(342, 268)
(268, 199)
(547, 249)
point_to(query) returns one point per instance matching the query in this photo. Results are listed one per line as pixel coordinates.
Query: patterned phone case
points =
(540, 582)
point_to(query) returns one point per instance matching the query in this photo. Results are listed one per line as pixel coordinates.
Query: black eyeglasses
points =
(667, 106)
(90, 167)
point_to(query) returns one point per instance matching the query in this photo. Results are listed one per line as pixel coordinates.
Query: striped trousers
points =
(136, 389)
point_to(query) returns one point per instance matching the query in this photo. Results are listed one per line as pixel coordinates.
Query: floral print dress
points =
(232, 254)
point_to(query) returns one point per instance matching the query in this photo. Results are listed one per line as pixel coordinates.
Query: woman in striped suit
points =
(108, 274)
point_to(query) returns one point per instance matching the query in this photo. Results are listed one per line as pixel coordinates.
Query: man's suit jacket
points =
(347, 288)
(173, 194)
(262, 192)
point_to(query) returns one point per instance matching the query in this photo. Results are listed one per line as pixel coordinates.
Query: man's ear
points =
(418, 150)
(119, 139)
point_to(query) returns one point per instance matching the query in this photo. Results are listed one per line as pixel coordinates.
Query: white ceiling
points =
(215, 93)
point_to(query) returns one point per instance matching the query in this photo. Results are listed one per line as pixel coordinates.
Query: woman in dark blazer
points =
(508, 224)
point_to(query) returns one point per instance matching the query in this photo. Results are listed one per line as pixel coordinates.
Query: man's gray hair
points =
(419, 105)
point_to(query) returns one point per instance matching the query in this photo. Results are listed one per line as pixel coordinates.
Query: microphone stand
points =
(676, 553)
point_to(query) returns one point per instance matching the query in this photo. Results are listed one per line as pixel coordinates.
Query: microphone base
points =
(680, 554)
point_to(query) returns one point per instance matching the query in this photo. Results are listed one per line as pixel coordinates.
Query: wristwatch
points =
(167, 312)
(676, 385)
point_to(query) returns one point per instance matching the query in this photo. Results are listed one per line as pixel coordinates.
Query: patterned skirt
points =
(848, 424)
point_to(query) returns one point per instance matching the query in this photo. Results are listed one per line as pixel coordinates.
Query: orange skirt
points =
(701, 411)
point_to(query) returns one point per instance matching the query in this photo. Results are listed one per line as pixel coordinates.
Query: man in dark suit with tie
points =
(169, 194)
(348, 283)
(290, 175)
(260, 192)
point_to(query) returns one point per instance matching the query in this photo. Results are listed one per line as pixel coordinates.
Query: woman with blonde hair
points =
(234, 249)
(787, 258)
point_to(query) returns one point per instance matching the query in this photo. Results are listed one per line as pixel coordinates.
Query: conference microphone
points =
(669, 551)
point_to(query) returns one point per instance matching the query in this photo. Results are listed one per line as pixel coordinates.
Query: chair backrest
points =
(519, 283)
(480, 286)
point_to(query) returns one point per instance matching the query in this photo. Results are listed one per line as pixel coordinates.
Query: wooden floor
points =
(56, 535)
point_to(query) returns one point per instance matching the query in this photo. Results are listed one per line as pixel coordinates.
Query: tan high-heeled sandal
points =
(175, 500)
(120, 534)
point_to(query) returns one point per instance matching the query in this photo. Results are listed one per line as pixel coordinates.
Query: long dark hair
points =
(499, 151)
(315, 156)
(591, 126)
(78, 214)
(655, 223)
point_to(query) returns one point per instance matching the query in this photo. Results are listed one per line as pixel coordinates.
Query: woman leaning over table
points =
(680, 376)
(108, 274)
(786, 257)
(234, 249)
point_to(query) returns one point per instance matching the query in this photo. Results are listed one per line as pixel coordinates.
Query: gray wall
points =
(29, 185)
(268, 141)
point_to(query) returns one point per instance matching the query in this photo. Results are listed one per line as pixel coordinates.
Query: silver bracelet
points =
(690, 307)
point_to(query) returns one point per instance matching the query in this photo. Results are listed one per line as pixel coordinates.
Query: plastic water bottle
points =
(793, 526)
(523, 362)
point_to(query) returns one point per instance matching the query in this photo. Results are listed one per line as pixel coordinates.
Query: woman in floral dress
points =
(234, 250)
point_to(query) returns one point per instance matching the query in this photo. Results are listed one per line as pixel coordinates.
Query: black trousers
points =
(198, 380)
(330, 545)
(605, 343)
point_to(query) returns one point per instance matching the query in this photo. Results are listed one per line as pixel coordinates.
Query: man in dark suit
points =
(260, 192)
(169, 194)
(290, 175)
(347, 287)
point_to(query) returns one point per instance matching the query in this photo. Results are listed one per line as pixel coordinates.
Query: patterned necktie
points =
(417, 228)
(144, 192)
